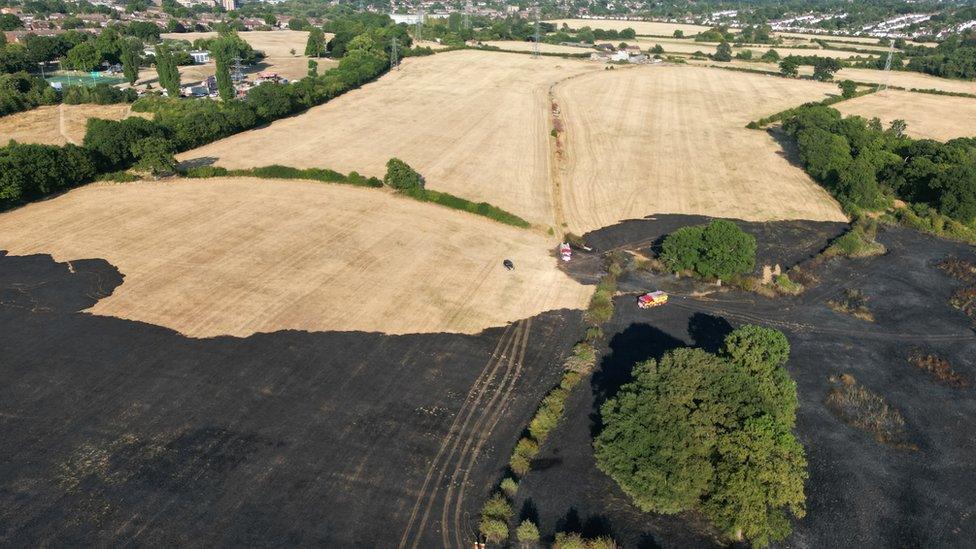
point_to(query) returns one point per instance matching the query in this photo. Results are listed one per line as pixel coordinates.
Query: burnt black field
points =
(122, 433)
(861, 493)
(117, 432)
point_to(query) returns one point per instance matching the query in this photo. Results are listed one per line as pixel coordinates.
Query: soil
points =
(860, 492)
(118, 432)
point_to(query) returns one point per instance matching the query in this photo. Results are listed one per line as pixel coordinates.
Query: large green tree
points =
(696, 430)
(719, 249)
(224, 50)
(166, 68)
(131, 57)
(315, 46)
(84, 57)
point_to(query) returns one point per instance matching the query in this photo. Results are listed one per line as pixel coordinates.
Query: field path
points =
(484, 403)
(63, 126)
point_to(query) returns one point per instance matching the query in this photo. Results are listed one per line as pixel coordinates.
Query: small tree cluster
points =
(402, 177)
(718, 250)
(495, 515)
(696, 430)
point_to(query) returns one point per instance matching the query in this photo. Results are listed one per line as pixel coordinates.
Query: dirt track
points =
(474, 123)
(670, 139)
(928, 116)
(239, 256)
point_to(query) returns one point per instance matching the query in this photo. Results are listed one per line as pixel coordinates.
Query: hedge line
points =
(780, 116)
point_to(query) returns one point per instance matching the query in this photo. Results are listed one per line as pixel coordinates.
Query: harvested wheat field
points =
(238, 256)
(902, 79)
(277, 43)
(677, 45)
(928, 116)
(57, 124)
(671, 139)
(474, 123)
(518, 45)
(647, 28)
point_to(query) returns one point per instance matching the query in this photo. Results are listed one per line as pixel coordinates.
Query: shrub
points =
(497, 507)
(853, 303)
(402, 177)
(527, 532)
(545, 420)
(785, 285)
(121, 176)
(570, 380)
(858, 406)
(509, 486)
(938, 367)
(855, 243)
(494, 530)
(570, 540)
(205, 171)
(519, 464)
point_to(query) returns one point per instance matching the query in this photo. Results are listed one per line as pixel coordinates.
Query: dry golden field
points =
(928, 116)
(56, 124)
(277, 43)
(671, 139)
(474, 123)
(676, 45)
(237, 256)
(903, 79)
(652, 28)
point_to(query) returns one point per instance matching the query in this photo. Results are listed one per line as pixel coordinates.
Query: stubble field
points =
(648, 28)
(672, 140)
(928, 116)
(474, 123)
(56, 124)
(240, 256)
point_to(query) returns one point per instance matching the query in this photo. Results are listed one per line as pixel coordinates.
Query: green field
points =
(75, 78)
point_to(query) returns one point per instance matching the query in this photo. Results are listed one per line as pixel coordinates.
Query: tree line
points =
(866, 166)
(28, 172)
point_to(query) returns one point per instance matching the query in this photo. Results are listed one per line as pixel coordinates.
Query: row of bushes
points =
(276, 171)
(582, 359)
(600, 309)
(783, 115)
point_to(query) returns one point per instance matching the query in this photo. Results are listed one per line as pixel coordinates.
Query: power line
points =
(420, 22)
(535, 43)
(887, 68)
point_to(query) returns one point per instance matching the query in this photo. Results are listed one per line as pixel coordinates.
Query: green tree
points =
(271, 101)
(790, 66)
(315, 46)
(824, 68)
(695, 430)
(84, 57)
(154, 155)
(824, 154)
(9, 22)
(679, 33)
(727, 250)
(724, 52)
(657, 49)
(681, 250)
(167, 70)
(402, 177)
(224, 50)
(131, 57)
(297, 23)
(313, 68)
(848, 88)
(771, 56)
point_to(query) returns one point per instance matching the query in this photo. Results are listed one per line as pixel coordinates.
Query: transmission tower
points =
(420, 21)
(394, 60)
(887, 70)
(535, 43)
(467, 14)
(238, 75)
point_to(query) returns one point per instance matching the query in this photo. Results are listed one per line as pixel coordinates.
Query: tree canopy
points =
(712, 432)
(719, 249)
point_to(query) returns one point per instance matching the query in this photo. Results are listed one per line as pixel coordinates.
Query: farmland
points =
(672, 140)
(56, 124)
(474, 123)
(324, 258)
(928, 116)
(516, 45)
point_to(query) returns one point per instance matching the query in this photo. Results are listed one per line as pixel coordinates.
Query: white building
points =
(200, 57)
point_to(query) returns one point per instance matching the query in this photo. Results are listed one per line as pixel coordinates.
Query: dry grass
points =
(671, 139)
(43, 124)
(273, 43)
(902, 79)
(938, 367)
(859, 407)
(241, 255)
(656, 28)
(474, 123)
(853, 303)
(964, 298)
(928, 116)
